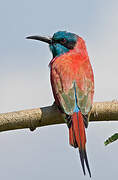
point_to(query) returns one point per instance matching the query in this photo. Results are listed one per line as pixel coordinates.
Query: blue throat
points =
(58, 46)
(58, 49)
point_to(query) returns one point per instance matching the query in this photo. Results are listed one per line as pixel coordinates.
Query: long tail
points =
(77, 138)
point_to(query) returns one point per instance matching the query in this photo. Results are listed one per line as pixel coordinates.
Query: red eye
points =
(63, 41)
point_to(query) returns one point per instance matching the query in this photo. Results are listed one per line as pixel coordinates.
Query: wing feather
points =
(66, 70)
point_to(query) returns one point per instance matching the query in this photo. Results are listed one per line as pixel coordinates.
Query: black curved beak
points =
(41, 38)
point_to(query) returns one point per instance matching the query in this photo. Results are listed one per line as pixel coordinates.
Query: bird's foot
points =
(68, 120)
(32, 128)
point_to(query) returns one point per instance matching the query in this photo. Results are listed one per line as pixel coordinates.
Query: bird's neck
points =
(57, 50)
(80, 48)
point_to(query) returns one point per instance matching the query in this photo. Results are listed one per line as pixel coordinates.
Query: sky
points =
(24, 78)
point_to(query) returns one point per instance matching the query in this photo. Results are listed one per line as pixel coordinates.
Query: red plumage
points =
(78, 129)
(67, 69)
(72, 84)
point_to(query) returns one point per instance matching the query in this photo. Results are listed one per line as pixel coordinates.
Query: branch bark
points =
(50, 115)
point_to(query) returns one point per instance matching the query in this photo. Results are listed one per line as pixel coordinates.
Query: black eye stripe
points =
(60, 41)
(65, 43)
(71, 45)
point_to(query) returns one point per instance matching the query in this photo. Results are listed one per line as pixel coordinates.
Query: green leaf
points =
(111, 139)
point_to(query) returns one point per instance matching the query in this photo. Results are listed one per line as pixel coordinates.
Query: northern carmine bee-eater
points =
(72, 85)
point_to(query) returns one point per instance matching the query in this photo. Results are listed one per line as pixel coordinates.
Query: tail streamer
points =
(77, 138)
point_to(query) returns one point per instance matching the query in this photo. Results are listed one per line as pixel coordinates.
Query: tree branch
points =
(32, 118)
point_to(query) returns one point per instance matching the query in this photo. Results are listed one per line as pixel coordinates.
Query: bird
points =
(72, 82)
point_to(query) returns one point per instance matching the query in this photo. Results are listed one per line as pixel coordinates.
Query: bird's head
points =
(60, 43)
